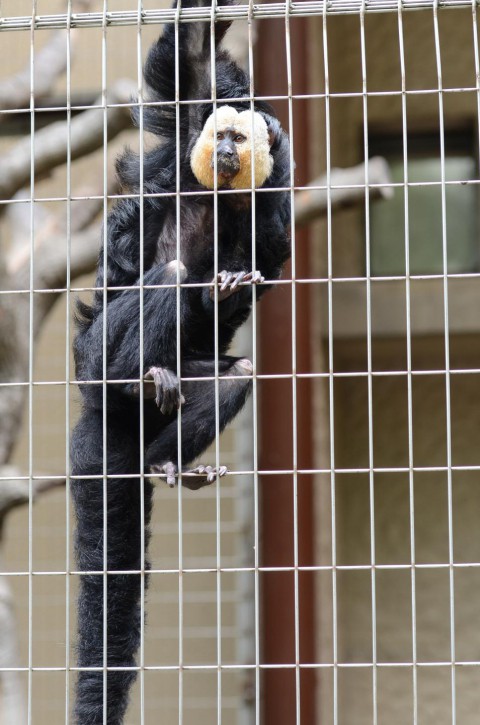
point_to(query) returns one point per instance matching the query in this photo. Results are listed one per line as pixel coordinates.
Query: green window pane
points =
(388, 235)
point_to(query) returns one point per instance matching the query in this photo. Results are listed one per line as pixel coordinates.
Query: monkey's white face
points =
(238, 127)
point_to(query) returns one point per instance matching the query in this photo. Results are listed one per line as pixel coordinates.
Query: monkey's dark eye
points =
(220, 136)
(239, 138)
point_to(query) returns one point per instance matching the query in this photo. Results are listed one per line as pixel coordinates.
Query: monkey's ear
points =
(274, 131)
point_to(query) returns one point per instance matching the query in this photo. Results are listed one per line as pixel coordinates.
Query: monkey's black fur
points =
(122, 239)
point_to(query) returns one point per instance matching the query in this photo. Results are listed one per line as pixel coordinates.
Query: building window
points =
(425, 236)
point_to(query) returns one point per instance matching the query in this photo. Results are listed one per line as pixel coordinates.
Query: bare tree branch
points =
(311, 204)
(50, 64)
(86, 134)
(82, 214)
(85, 212)
(16, 491)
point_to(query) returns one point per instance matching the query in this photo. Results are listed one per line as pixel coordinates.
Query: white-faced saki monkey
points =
(219, 139)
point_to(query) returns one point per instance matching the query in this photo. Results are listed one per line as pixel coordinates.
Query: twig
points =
(15, 491)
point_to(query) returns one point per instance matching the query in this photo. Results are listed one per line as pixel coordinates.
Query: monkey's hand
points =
(165, 389)
(204, 475)
(229, 282)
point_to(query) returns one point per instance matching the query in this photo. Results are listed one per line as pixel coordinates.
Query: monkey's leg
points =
(198, 422)
(124, 552)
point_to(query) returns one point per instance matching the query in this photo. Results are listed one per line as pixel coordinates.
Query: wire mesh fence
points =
(332, 576)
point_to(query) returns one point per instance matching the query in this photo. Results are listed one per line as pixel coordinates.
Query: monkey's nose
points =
(228, 164)
(225, 147)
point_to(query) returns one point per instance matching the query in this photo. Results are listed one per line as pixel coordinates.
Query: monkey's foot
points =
(204, 475)
(166, 391)
(229, 282)
(211, 473)
(168, 472)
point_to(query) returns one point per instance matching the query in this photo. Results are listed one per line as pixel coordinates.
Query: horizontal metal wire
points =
(246, 666)
(258, 376)
(273, 283)
(238, 12)
(354, 470)
(57, 108)
(321, 568)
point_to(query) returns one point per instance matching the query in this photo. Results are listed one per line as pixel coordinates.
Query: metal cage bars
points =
(275, 11)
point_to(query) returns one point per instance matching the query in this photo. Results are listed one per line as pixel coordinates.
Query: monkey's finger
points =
(171, 481)
(211, 474)
(257, 277)
(215, 473)
(238, 278)
(167, 390)
(171, 400)
(199, 469)
(226, 281)
(218, 280)
(158, 396)
(166, 472)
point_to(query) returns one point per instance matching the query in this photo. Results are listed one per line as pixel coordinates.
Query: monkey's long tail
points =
(124, 553)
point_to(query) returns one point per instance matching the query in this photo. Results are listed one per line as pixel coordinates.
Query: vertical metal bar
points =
(213, 81)
(411, 481)
(104, 355)
(254, 319)
(67, 368)
(448, 421)
(141, 366)
(331, 398)
(30, 362)
(294, 370)
(369, 362)
(179, 372)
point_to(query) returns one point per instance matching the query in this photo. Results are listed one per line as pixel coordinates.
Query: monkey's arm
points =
(129, 221)
(124, 321)
(194, 76)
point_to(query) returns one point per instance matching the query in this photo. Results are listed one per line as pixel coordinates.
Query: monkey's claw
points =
(168, 471)
(167, 389)
(210, 472)
(229, 282)
(204, 475)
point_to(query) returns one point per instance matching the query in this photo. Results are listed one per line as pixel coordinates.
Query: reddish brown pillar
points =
(276, 415)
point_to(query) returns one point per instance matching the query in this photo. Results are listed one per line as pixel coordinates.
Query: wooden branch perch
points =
(311, 204)
(50, 226)
(50, 64)
(15, 491)
(51, 143)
